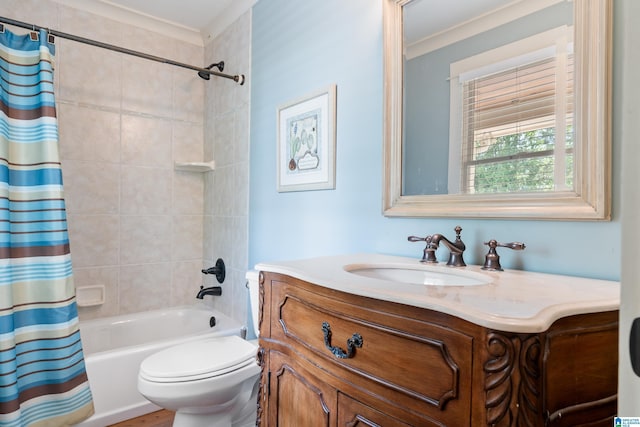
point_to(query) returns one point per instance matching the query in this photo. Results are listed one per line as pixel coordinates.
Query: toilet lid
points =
(198, 359)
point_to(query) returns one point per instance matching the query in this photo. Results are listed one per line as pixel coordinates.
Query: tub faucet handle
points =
(218, 270)
(492, 259)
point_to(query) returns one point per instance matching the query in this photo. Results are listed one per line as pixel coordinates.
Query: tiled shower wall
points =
(226, 139)
(136, 225)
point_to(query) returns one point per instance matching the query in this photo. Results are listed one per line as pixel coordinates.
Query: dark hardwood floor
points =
(155, 419)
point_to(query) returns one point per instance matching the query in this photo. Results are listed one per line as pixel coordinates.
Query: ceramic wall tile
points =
(144, 287)
(226, 190)
(224, 101)
(209, 188)
(222, 192)
(189, 54)
(89, 75)
(209, 236)
(239, 253)
(187, 141)
(91, 187)
(92, 239)
(146, 190)
(209, 131)
(88, 133)
(224, 239)
(187, 237)
(146, 141)
(188, 95)
(188, 192)
(145, 239)
(240, 172)
(147, 87)
(187, 278)
(32, 12)
(223, 139)
(241, 134)
(150, 42)
(88, 25)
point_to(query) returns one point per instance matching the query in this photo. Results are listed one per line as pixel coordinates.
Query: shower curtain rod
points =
(202, 72)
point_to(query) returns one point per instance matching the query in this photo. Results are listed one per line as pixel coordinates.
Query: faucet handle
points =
(458, 229)
(429, 253)
(516, 246)
(492, 259)
(218, 270)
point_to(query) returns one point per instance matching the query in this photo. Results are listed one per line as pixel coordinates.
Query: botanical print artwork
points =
(306, 142)
(302, 142)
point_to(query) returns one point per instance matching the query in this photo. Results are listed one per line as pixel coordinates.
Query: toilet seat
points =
(198, 360)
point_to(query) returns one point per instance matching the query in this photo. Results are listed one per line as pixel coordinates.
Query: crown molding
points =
(141, 20)
(477, 25)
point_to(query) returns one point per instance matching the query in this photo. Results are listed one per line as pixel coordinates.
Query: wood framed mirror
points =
(577, 115)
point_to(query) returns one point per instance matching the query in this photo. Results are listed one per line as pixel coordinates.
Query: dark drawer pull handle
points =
(352, 343)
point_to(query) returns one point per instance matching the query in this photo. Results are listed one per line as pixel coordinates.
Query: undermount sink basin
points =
(420, 275)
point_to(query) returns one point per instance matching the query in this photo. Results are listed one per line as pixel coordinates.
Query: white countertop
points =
(511, 301)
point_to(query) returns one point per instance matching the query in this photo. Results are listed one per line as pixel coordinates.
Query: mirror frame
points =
(591, 199)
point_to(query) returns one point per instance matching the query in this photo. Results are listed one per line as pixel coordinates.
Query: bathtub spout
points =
(213, 290)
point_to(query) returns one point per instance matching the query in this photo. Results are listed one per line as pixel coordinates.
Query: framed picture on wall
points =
(307, 142)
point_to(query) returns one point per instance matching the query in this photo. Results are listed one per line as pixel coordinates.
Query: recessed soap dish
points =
(90, 296)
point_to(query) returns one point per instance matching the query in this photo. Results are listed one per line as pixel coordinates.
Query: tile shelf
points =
(195, 166)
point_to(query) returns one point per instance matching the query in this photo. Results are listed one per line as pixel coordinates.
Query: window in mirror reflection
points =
(515, 117)
(508, 126)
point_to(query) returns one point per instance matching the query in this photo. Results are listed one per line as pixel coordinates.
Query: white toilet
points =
(211, 382)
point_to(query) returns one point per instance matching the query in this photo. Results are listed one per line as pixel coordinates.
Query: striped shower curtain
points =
(43, 381)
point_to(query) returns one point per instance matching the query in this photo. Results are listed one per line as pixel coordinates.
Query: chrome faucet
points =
(456, 248)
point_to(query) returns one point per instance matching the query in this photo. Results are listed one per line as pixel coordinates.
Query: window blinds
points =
(517, 128)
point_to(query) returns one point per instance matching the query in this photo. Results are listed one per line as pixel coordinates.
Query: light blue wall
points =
(299, 47)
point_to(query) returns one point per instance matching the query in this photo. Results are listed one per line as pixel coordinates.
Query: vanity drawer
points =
(353, 413)
(427, 367)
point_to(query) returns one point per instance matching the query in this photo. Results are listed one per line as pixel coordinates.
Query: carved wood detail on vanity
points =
(260, 299)
(512, 376)
(296, 390)
(420, 367)
(299, 321)
(262, 393)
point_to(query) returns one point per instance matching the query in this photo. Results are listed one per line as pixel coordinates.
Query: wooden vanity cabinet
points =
(418, 367)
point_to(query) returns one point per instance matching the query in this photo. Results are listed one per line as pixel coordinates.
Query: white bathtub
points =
(115, 346)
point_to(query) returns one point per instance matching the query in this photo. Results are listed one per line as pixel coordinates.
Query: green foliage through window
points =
(521, 162)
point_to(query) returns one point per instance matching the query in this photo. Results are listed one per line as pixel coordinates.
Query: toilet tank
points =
(254, 290)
